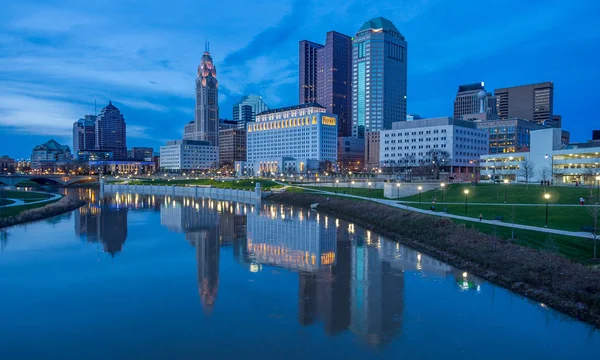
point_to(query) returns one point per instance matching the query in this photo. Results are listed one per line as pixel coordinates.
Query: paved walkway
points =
(396, 204)
(487, 204)
(19, 202)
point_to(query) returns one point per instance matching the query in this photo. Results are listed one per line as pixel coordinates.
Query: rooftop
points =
(379, 23)
(295, 107)
(470, 87)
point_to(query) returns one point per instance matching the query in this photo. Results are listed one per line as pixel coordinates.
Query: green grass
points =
(516, 194)
(14, 210)
(24, 195)
(245, 184)
(373, 193)
(578, 249)
(5, 202)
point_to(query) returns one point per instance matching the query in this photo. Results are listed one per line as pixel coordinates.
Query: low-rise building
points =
(141, 153)
(180, 155)
(49, 151)
(293, 139)
(232, 146)
(93, 155)
(351, 153)
(7, 164)
(372, 150)
(122, 167)
(509, 135)
(444, 144)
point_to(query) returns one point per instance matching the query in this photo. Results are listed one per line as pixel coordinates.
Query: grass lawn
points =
(374, 193)
(24, 195)
(5, 202)
(245, 184)
(516, 194)
(578, 249)
(14, 210)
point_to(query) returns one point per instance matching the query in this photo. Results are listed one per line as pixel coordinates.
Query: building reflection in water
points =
(104, 221)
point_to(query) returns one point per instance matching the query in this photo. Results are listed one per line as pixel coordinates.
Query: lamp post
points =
(466, 201)
(337, 185)
(398, 187)
(546, 196)
(597, 188)
(319, 183)
(352, 187)
(505, 189)
(420, 188)
(369, 186)
(443, 190)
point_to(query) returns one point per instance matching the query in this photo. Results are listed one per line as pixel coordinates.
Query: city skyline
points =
(52, 70)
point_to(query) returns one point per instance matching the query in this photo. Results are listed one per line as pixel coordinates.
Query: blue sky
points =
(55, 56)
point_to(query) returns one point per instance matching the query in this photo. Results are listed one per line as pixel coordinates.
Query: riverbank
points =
(543, 276)
(61, 206)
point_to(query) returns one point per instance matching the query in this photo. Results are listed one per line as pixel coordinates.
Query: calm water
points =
(146, 277)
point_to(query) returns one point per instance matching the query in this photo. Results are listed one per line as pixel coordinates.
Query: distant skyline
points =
(55, 56)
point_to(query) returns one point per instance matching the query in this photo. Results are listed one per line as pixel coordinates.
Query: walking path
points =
(490, 204)
(19, 202)
(396, 204)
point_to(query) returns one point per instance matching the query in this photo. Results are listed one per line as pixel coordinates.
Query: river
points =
(148, 277)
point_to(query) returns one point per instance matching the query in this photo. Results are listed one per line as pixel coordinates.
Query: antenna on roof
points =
(206, 46)
(110, 96)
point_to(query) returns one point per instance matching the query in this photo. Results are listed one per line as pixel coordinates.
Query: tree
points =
(325, 166)
(545, 172)
(526, 169)
(437, 159)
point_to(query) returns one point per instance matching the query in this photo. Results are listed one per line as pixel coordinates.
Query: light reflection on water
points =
(113, 278)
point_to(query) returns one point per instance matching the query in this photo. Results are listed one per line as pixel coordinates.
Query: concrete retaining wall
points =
(393, 191)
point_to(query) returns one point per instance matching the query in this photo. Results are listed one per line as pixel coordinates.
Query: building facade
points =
(180, 155)
(372, 150)
(379, 77)
(84, 134)
(246, 109)
(206, 114)
(141, 153)
(334, 79)
(7, 164)
(301, 136)
(111, 132)
(453, 144)
(123, 167)
(534, 102)
(307, 72)
(473, 99)
(510, 135)
(49, 151)
(232, 146)
(351, 153)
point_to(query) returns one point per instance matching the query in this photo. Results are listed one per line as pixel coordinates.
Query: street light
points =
(398, 187)
(546, 196)
(443, 188)
(597, 188)
(505, 189)
(419, 188)
(369, 186)
(466, 196)
(337, 185)
(352, 187)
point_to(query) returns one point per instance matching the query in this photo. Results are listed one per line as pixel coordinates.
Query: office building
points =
(141, 153)
(180, 155)
(308, 71)
(111, 132)
(122, 167)
(534, 102)
(596, 135)
(232, 146)
(372, 150)
(547, 158)
(510, 135)
(93, 155)
(206, 115)
(379, 57)
(293, 140)
(445, 143)
(84, 134)
(50, 151)
(351, 153)
(7, 164)
(245, 110)
(334, 79)
(227, 124)
(473, 99)
(412, 117)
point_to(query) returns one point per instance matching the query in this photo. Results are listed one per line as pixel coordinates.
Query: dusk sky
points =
(55, 56)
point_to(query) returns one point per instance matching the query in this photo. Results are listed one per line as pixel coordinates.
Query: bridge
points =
(14, 180)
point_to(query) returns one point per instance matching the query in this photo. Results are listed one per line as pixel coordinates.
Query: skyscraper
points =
(379, 61)
(534, 102)
(206, 116)
(246, 109)
(334, 79)
(111, 132)
(84, 134)
(468, 100)
(309, 53)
